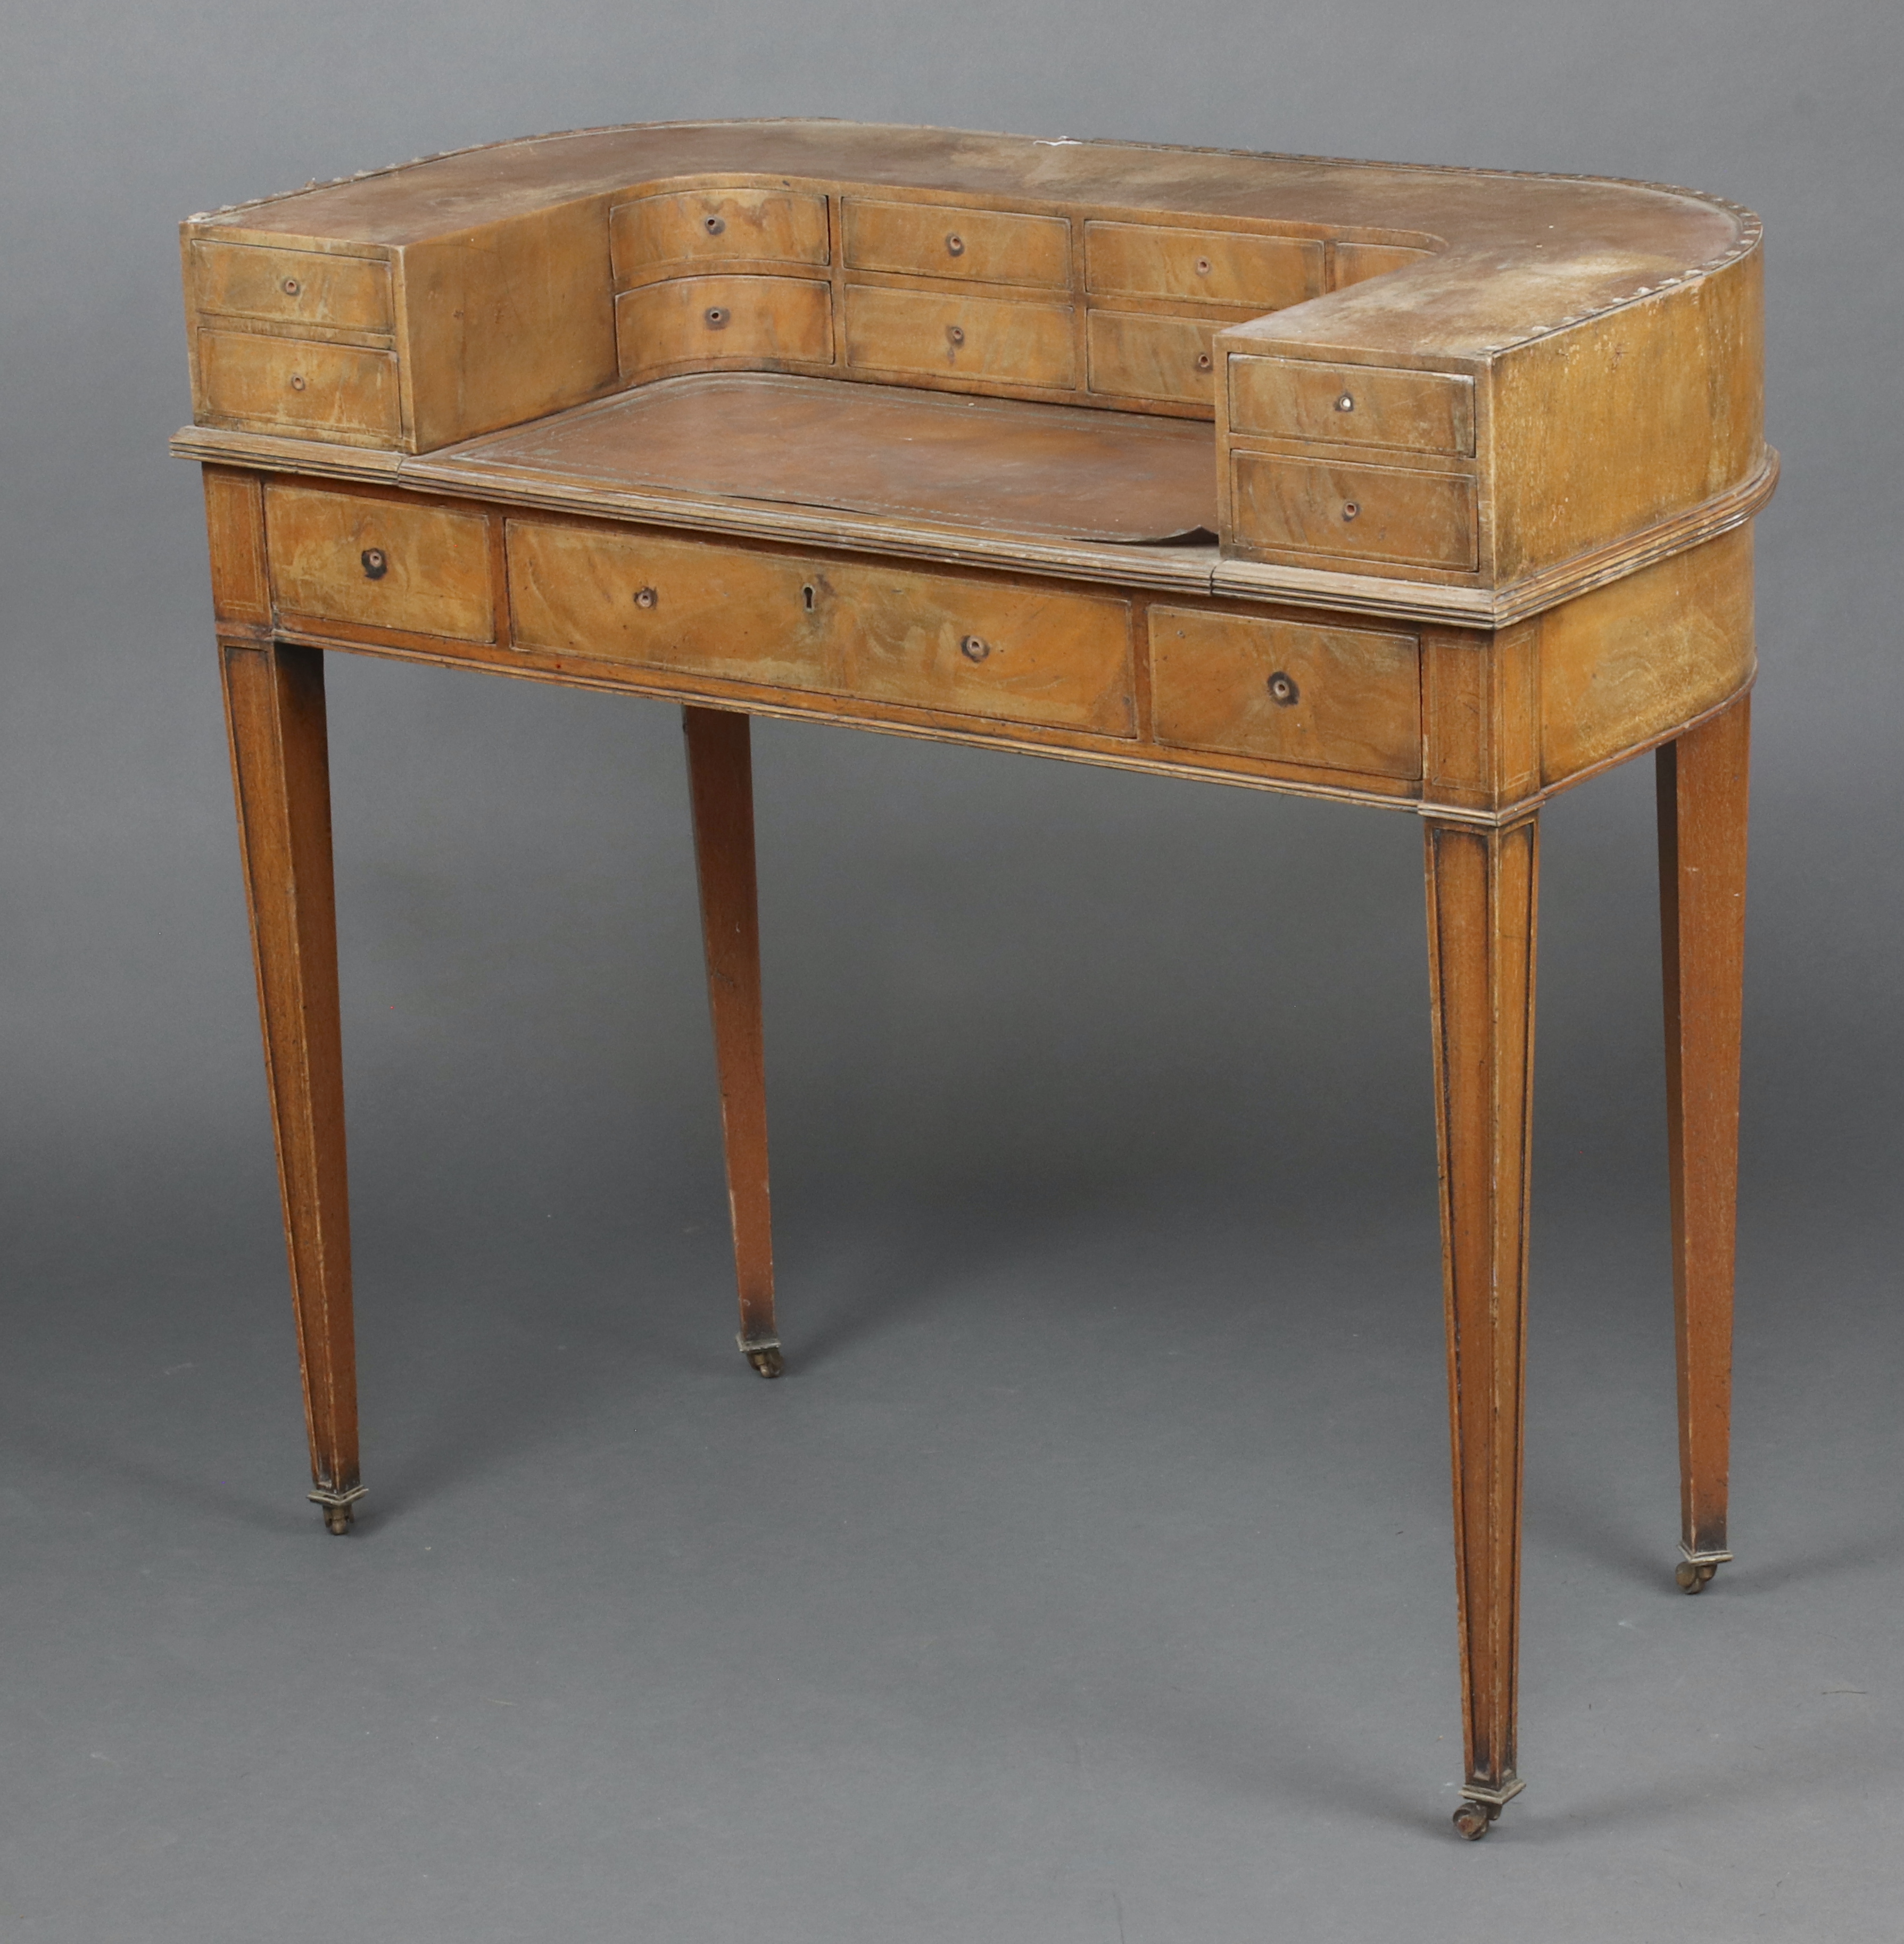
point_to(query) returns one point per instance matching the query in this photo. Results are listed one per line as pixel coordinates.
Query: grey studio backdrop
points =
(1089, 1576)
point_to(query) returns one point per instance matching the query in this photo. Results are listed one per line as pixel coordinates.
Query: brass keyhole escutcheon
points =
(297, 381)
(646, 597)
(1282, 691)
(377, 563)
(292, 287)
(955, 333)
(713, 224)
(1350, 509)
(974, 649)
(955, 244)
(717, 316)
(1346, 403)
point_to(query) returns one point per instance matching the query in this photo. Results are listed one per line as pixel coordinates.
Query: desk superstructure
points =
(1424, 488)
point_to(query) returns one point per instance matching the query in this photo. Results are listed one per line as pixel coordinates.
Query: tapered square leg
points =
(1481, 898)
(1702, 780)
(274, 702)
(720, 778)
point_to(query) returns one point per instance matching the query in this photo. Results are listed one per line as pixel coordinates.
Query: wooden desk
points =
(1427, 489)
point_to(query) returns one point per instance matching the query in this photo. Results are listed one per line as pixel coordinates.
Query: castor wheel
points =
(1695, 1575)
(1474, 1820)
(767, 1360)
(337, 1519)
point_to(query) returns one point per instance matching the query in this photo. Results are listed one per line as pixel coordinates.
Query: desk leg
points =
(1481, 898)
(274, 704)
(720, 780)
(1702, 792)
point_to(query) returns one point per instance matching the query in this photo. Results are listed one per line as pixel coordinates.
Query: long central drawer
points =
(885, 634)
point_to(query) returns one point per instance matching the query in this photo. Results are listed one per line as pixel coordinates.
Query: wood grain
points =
(293, 286)
(656, 233)
(1147, 259)
(347, 393)
(1703, 791)
(941, 240)
(1352, 404)
(234, 512)
(1363, 513)
(274, 697)
(969, 337)
(707, 323)
(1138, 357)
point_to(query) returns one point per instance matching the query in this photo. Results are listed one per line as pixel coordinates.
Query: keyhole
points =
(806, 599)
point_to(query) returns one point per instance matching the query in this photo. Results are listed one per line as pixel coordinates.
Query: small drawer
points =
(701, 321)
(1332, 698)
(961, 336)
(1352, 404)
(1140, 260)
(700, 226)
(929, 239)
(291, 286)
(338, 391)
(1360, 512)
(1133, 357)
(336, 557)
(928, 640)
(1356, 263)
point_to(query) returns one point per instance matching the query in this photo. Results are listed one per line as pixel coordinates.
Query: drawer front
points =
(1352, 404)
(965, 336)
(883, 634)
(929, 239)
(285, 384)
(293, 286)
(774, 226)
(1335, 698)
(701, 320)
(1365, 513)
(1152, 357)
(377, 562)
(1139, 259)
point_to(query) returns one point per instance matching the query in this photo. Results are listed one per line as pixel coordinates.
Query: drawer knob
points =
(1350, 509)
(713, 224)
(955, 333)
(717, 316)
(975, 650)
(297, 381)
(291, 286)
(377, 563)
(646, 597)
(955, 244)
(1282, 691)
(1203, 360)
(1202, 266)
(1346, 403)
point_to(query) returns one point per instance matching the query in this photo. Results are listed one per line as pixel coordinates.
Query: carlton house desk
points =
(1427, 489)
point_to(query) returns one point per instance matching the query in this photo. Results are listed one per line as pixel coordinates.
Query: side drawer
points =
(1365, 513)
(1133, 357)
(337, 557)
(967, 336)
(1335, 698)
(338, 392)
(704, 320)
(291, 286)
(969, 647)
(1141, 260)
(1353, 405)
(700, 226)
(990, 246)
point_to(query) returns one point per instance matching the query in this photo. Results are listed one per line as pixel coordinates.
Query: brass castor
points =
(1695, 1575)
(766, 1359)
(1474, 1820)
(337, 1519)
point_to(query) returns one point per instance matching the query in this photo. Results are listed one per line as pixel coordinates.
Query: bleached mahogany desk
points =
(1424, 489)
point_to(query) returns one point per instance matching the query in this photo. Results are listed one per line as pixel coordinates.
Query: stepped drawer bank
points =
(1426, 489)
